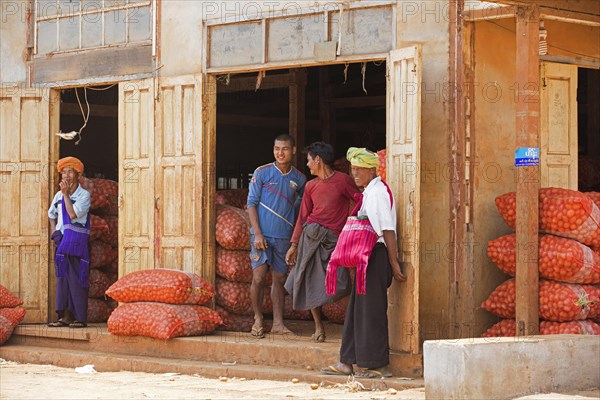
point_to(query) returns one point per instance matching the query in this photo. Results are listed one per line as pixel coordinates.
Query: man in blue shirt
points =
(275, 191)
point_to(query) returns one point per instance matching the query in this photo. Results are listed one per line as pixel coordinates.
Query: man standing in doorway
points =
(70, 226)
(274, 193)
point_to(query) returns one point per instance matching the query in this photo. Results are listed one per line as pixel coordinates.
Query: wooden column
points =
(528, 178)
(297, 104)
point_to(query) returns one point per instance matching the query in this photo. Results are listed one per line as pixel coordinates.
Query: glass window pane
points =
(46, 37)
(91, 30)
(68, 34)
(114, 27)
(91, 5)
(139, 24)
(69, 7)
(114, 3)
(46, 8)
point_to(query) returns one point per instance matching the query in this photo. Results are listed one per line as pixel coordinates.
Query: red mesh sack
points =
(98, 227)
(99, 283)
(162, 285)
(7, 299)
(101, 254)
(98, 310)
(112, 268)
(9, 319)
(558, 301)
(234, 265)
(595, 196)
(235, 297)
(563, 212)
(162, 321)
(382, 154)
(104, 196)
(290, 313)
(561, 259)
(507, 327)
(111, 235)
(336, 312)
(238, 323)
(232, 228)
(232, 197)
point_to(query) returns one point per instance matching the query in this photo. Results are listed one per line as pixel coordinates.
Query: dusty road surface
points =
(29, 381)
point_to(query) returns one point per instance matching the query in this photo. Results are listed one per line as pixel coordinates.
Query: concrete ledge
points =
(503, 368)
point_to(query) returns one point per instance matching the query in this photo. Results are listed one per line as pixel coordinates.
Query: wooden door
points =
(209, 168)
(136, 176)
(558, 126)
(179, 180)
(403, 148)
(25, 195)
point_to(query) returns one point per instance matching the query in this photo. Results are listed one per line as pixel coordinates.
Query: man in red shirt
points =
(323, 213)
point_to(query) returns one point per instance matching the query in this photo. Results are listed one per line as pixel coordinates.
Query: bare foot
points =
(280, 329)
(338, 369)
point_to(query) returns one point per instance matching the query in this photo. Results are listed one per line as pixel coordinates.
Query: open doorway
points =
(343, 105)
(588, 121)
(93, 112)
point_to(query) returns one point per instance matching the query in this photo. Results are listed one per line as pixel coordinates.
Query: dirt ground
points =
(28, 381)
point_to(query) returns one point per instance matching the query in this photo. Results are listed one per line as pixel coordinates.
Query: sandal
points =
(58, 324)
(258, 332)
(77, 324)
(373, 373)
(318, 337)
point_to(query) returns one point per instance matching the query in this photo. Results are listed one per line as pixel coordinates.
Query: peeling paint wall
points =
(427, 23)
(181, 37)
(572, 40)
(495, 135)
(13, 41)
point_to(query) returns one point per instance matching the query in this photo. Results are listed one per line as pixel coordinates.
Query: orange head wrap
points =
(70, 162)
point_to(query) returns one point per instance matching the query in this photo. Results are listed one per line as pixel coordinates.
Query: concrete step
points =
(110, 362)
(293, 350)
(296, 351)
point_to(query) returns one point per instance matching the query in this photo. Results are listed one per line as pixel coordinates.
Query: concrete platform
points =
(277, 357)
(505, 368)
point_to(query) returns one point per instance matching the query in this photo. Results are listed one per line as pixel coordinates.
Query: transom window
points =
(68, 25)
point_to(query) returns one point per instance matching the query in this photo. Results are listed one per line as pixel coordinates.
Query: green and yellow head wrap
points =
(361, 157)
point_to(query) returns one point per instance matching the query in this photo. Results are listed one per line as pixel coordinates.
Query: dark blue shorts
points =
(273, 256)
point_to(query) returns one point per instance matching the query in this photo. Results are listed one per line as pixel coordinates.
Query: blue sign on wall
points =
(527, 157)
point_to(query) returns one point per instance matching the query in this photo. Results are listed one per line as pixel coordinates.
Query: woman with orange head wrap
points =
(70, 226)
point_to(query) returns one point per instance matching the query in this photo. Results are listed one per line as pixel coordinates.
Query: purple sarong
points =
(70, 295)
(72, 267)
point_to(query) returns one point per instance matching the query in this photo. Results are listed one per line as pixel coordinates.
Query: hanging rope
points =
(346, 72)
(363, 71)
(85, 117)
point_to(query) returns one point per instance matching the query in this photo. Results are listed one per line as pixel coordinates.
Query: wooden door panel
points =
(136, 177)
(403, 147)
(25, 195)
(558, 126)
(179, 173)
